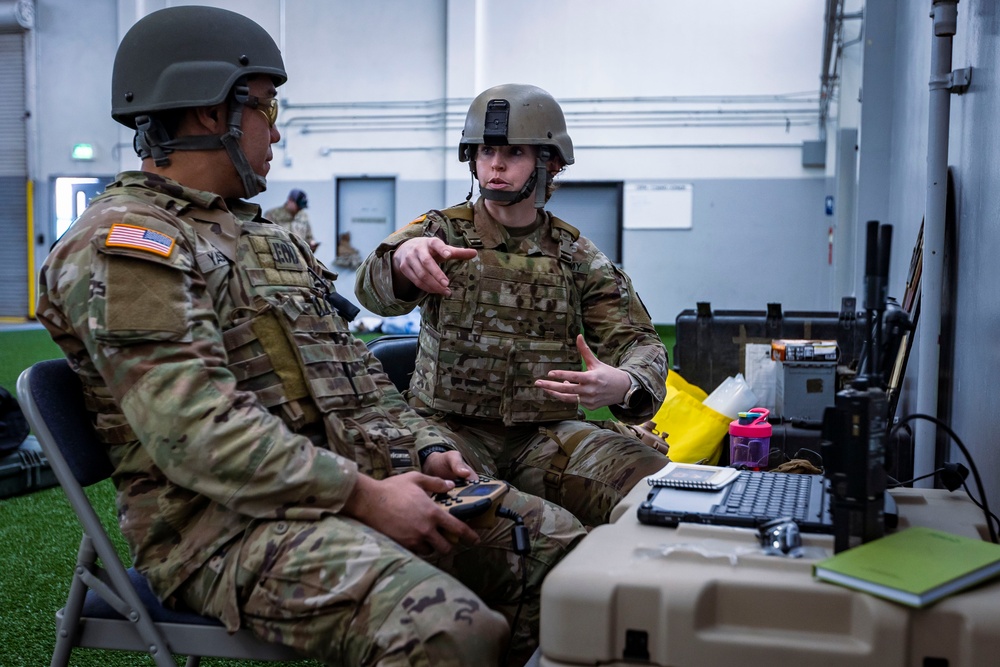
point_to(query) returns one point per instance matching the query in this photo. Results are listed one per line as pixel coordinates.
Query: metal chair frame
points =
(109, 606)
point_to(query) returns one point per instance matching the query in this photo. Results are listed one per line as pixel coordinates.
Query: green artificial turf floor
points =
(39, 536)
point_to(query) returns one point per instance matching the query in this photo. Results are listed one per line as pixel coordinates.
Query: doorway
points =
(72, 196)
(595, 208)
(366, 209)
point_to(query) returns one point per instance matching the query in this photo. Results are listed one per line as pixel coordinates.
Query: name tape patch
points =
(140, 238)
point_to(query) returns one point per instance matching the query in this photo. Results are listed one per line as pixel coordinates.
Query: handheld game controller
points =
(472, 502)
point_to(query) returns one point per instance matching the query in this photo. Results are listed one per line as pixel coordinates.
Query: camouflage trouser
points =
(576, 464)
(344, 594)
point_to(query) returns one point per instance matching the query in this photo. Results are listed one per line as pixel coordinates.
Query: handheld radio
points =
(855, 428)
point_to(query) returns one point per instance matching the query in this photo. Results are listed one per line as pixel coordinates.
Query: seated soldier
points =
(512, 299)
(268, 472)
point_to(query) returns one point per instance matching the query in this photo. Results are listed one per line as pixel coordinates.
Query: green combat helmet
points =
(190, 56)
(517, 114)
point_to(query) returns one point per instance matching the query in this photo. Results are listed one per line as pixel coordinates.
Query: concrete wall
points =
(896, 162)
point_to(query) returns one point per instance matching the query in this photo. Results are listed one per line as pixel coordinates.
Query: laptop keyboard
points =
(768, 495)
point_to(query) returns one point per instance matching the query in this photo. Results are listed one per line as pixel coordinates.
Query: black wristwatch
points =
(430, 449)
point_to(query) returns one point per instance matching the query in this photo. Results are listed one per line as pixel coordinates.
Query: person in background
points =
(292, 216)
(512, 300)
(268, 473)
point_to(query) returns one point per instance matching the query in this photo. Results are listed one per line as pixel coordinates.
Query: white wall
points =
(719, 92)
(429, 57)
(893, 118)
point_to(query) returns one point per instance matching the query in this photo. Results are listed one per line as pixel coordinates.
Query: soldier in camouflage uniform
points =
(268, 473)
(292, 216)
(505, 289)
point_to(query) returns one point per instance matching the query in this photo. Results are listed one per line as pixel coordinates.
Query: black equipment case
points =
(25, 469)
(711, 346)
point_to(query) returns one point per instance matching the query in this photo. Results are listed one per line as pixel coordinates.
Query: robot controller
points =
(474, 502)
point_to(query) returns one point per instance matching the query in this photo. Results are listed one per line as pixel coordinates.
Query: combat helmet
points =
(517, 114)
(191, 56)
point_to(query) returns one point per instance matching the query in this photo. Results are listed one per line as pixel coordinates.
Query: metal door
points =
(71, 195)
(14, 246)
(596, 210)
(366, 208)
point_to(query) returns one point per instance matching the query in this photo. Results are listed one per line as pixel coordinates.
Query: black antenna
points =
(884, 250)
(878, 248)
(871, 265)
(868, 370)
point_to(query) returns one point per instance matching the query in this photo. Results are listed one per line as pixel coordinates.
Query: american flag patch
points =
(140, 238)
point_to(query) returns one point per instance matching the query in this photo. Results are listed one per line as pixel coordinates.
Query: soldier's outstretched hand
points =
(596, 387)
(417, 263)
(401, 507)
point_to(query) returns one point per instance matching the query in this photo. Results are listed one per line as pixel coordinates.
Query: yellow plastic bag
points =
(694, 431)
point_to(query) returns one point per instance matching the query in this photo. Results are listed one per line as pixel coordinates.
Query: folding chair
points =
(109, 607)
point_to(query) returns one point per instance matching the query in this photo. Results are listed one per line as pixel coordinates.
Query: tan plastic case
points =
(699, 596)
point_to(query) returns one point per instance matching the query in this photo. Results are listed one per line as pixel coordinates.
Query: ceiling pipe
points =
(16, 16)
(827, 78)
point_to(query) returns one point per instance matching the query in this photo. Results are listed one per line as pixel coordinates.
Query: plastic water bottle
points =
(750, 440)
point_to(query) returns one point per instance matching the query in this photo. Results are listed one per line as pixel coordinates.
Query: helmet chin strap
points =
(537, 182)
(151, 141)
(253, 183)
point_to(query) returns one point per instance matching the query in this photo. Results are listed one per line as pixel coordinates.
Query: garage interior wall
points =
(719, 95)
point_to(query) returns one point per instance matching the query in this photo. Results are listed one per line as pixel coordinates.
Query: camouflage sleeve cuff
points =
(374, 287)
(630, 395)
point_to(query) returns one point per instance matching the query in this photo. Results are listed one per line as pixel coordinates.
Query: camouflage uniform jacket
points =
(297, 224)
(178, 311)
(482, 348)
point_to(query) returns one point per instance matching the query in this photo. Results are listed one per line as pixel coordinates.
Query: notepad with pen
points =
(693, 476)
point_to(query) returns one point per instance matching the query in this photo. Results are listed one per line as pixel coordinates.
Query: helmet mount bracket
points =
(496, 122)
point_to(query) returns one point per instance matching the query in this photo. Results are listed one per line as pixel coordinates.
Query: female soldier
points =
(505, 289)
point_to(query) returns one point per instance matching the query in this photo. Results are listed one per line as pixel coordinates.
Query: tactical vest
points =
(510, 319)
(286, 345)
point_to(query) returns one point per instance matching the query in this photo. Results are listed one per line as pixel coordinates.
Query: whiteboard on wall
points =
(658, 205)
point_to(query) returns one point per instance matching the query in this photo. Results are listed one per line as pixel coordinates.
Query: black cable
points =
(965, 486)
(972, 464)
(522, 546)
(915, 479)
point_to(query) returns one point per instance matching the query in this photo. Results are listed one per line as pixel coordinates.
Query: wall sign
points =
(658, 205)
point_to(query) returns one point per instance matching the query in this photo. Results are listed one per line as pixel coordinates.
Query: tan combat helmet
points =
(191, 56)
(517, 114)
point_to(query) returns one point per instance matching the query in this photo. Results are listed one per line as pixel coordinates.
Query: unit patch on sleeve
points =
(140, 238)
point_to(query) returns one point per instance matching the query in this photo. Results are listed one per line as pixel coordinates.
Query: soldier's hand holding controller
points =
(418, 261)
(598, 386)
(401, 507)
(449, 465)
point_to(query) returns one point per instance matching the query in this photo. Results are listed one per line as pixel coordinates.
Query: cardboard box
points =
(786, 349)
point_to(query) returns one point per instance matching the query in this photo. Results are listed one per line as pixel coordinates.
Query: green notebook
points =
(916, 566)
